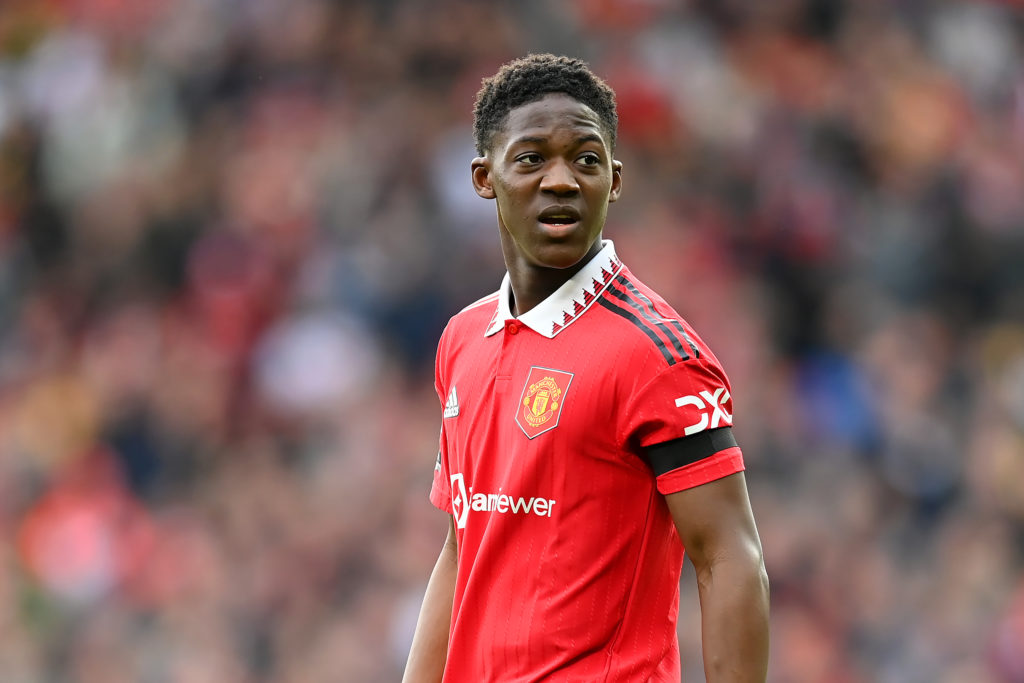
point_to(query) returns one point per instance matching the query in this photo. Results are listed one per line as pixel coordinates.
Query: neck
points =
(532, 284)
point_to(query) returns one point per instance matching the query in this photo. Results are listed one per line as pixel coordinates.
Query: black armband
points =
(670, 455)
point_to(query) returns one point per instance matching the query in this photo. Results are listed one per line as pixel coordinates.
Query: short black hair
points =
(530, 78)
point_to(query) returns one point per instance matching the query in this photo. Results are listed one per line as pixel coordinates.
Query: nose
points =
(559, 180)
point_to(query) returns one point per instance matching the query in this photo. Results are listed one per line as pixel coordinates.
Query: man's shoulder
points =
(474, 317)
(646, 322)
(628, 282)
(488, 302)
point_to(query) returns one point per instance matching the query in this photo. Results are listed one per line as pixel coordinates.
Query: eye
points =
(589, 159)
(529, 158)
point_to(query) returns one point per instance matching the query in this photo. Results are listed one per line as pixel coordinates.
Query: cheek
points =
(510, 204)
(601, 195)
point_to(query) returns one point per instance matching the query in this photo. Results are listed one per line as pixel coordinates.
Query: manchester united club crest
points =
(542, 400)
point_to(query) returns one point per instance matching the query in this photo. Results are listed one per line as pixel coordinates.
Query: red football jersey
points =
(560, 431)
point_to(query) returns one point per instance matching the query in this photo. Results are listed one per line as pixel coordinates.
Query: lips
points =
(559, 215)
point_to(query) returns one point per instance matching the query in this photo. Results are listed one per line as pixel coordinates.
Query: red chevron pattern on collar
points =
(567, 303)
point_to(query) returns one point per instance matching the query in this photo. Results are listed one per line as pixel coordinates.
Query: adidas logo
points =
(451, 406)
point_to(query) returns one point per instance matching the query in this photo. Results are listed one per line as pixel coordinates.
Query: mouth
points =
(559, 217)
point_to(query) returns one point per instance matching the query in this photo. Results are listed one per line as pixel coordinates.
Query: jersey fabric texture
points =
(561, 430)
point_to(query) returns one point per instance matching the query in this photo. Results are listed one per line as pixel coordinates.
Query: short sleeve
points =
(440, 488)
(681, 422)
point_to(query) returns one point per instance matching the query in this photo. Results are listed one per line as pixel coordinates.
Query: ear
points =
(482, 177)
(616, 180)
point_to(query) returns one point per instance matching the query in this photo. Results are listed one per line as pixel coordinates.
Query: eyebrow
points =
(529, 139)
(538, 140)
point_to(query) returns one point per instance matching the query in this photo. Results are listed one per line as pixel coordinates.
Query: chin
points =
(561, 256)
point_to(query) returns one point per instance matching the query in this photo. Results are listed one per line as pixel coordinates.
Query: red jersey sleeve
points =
(440, 487)
(681, 422)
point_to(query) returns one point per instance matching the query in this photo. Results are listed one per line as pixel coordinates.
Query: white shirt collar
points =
(567, 303)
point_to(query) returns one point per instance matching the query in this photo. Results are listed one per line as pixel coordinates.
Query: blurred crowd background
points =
(231, 232)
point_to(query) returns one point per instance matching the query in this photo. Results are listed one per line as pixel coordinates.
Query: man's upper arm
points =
(715, 521)
(451, 541)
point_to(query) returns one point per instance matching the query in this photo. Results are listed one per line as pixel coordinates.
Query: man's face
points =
(551, 171)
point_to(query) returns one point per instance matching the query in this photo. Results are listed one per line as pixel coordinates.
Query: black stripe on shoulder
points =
(660, 324)
(675, 323)
(639, 323)
(671, 455)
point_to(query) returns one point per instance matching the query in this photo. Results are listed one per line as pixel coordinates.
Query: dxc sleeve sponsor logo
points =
(707, 401)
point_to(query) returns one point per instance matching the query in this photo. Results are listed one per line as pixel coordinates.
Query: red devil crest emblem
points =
(542, 400)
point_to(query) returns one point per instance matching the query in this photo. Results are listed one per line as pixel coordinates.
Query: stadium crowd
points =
(231, 232)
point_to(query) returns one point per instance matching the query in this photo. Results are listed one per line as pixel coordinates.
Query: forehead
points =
(552, 114)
